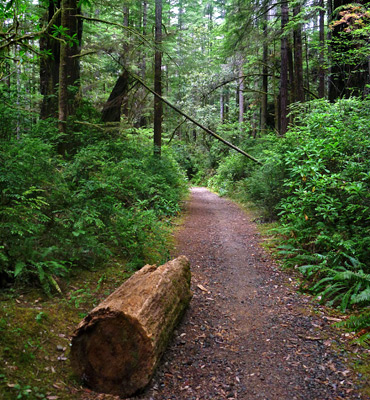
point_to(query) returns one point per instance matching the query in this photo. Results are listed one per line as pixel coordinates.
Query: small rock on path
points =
(247, 334)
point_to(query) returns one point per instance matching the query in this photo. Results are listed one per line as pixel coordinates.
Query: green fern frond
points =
(363, 297)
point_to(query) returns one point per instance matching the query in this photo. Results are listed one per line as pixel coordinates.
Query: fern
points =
(362, 297)
(360, 324)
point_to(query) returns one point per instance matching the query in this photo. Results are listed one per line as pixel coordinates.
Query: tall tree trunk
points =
(307, 64)
(298, 59)
(125, 61)
(291, 80)
(158, 107)
(264, 96)
(322, 49)
(145, 24)
(69, 69)
(126, 14)
(18, 72)
(276, 97)
(222, 107)
(226, 101)
(49, 67)
(112, 108)
(284, 71)
(332, 92)
(117, 101)
(142, 120)
(241, 94)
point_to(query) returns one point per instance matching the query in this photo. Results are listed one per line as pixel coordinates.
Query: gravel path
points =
(247, 334)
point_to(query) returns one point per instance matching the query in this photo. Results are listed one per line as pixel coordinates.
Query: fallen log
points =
(116, 348)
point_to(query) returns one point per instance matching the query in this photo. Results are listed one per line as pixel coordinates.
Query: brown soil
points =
(248, 334)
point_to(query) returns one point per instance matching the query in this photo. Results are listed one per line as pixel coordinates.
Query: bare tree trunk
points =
(222, 107)
(227, 100)
(298, 59)
(264, 96)
(126, 15)
(276, 98)
(49, 67)
(112, 108)
(69, 69)
(284, 70)
(307, 65)
(18, 72)
(322, 48)
(142, 119)
(125, 61)
(158, 107)
(241, 94)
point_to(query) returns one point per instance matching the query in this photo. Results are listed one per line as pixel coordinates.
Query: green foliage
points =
(238, 176)
(358, 323)
(325, 210)
(110, 199)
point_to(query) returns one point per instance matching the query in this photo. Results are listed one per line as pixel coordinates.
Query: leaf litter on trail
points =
(202, 288)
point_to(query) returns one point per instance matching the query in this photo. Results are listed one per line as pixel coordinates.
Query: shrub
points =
(110, 199)
(326, 209)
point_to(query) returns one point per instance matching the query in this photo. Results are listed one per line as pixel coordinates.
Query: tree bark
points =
(49, 68)
(222, 107)
(69, 69)
(117, 347)
(298, 59)
(158, 106)
(291, 80)
(322, 49)
(241, 94)
(112, 108)
(284, 71)
(264, 96)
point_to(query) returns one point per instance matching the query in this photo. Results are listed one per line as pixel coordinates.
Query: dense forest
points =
(110, 108)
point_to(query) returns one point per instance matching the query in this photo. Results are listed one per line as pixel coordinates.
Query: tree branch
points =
(209, 131)
(14, 39)
(174, 131)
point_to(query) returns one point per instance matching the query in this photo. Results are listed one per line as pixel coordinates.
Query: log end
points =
(112, 354)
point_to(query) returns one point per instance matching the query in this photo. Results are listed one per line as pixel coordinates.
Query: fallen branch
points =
(209, 131)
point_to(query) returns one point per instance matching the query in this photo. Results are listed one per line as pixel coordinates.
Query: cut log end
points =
(116, 348)
(114, 354)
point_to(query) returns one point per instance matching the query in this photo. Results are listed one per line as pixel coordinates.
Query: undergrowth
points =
(109, 198)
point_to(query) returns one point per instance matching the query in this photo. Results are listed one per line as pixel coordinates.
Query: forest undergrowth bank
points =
(72, 229)
(315, 182)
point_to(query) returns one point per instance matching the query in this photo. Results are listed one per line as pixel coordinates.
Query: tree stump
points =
(116, 348)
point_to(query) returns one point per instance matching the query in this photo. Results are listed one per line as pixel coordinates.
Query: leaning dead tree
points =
(195, 122)
(116, 348)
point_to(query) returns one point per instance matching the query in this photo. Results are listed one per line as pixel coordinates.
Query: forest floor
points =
(248, 333)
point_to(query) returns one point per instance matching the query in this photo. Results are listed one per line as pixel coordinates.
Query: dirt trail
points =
(248, 334)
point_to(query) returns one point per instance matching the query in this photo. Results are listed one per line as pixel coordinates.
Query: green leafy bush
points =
(28, 172)
(241, 178)
(326, 208)
(110, 199)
